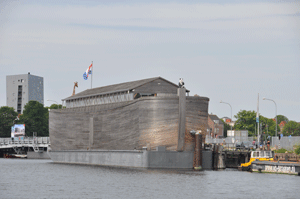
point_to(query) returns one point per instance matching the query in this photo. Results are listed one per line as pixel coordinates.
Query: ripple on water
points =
(44, 179)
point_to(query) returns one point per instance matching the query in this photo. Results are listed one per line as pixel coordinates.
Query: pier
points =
(20, 147)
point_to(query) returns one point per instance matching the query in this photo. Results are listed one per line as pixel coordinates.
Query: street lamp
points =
(275, 112)
(231, 112)
(55, 102)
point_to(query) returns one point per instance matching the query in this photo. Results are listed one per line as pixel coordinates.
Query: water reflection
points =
(44, 179)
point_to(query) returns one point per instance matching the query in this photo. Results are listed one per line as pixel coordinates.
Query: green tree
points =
(36, 119)
(55, 106)
(226, 127)
(281, 118)
(291, 128)
(297, 150)
(7, 118)
(246, 120)
(268, 126)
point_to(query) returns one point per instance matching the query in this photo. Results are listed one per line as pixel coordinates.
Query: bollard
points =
(198, 151)
(216, 156)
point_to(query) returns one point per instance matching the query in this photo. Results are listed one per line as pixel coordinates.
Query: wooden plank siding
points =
(196, 119)
(158, 122)
(147, 121)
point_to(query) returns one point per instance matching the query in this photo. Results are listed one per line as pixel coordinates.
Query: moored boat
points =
(262, 161)
(257, 156)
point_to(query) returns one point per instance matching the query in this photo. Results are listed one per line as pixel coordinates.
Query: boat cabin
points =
(262, 154)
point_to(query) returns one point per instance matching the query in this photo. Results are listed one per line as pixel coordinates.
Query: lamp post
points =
(231, 112)
(55, 102)
(275, 112)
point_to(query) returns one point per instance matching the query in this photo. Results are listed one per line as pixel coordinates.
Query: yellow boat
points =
(257, 156)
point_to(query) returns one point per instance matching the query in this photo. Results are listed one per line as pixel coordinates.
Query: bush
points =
(297, 150)
(280, 151)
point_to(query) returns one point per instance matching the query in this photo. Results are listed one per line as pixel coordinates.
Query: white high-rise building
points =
(20, 89)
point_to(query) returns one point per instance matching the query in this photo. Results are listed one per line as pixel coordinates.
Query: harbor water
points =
(25, 178)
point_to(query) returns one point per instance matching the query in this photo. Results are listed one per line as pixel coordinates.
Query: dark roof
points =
(115, 88)
(214, 117)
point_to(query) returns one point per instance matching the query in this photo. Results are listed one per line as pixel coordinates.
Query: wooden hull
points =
(146, 122)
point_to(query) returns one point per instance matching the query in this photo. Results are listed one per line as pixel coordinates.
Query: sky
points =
(224, 50)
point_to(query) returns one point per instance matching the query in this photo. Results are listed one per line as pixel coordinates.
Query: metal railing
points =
(229, 143)
(28, 140)
(227, 140)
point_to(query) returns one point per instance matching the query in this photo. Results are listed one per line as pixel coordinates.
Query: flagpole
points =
(92, 75)
(257, 120)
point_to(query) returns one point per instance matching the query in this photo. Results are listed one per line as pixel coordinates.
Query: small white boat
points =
(20, 155)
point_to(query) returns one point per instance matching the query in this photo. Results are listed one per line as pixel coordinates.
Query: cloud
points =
(172, 15)
(160, 12)
(229, 50)
(192, 23)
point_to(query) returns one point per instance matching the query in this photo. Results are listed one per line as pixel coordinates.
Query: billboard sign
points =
(18, 130)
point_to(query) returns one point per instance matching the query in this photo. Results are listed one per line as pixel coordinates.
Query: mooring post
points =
(198, 151)
(216, 156)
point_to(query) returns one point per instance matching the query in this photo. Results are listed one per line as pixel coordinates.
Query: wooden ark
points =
(128, 116)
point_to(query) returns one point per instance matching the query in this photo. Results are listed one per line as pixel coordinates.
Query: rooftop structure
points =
(127, 91)
(228, 121)
(281, 125)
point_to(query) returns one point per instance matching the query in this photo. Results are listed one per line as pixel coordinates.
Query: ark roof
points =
(127, 86)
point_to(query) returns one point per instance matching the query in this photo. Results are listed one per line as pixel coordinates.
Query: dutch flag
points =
(88, 72)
